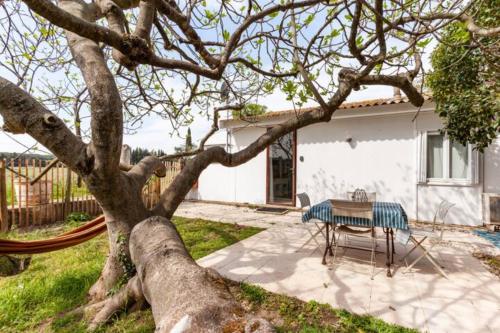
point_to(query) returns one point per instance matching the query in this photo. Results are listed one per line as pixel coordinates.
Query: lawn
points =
(38, 299)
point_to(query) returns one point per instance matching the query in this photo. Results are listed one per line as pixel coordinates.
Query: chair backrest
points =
(440, 215)
(350, 208)
(304, 200)
(361, 195)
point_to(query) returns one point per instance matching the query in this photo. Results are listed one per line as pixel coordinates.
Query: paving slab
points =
(469, 301)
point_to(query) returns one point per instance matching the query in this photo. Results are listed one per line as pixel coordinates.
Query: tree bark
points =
(123, 208)
(184, 297)
(114, 273)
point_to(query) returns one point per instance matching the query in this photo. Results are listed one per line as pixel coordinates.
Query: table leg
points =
(388, 252)
(392, 245)
(327, 243)
(332, 241)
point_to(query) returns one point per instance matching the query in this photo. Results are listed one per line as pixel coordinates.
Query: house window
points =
(435, 161)
(459, 161)
(443, 161)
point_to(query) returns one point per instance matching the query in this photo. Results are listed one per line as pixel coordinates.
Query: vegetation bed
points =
(492, 262)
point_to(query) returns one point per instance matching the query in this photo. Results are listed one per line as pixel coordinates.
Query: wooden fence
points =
(56, 194)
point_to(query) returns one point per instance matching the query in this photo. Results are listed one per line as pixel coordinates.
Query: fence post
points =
(4, 214)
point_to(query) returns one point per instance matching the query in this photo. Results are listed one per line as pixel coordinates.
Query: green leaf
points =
(424, 42)
(309, 19)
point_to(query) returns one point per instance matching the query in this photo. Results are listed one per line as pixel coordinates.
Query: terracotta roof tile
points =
(343, 106)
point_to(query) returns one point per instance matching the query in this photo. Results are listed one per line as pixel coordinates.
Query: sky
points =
(155, 132)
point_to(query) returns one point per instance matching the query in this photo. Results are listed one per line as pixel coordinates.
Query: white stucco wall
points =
(382, 157)
(492, 168)
(245, 183)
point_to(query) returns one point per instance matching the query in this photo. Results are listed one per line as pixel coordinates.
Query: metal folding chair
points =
(434, 235)
(361, 195)
(305, 203)
(358, 210)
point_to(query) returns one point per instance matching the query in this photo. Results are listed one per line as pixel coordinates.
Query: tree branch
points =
(145, 19)
(213, 129)
(106, 105)
(400, 82)
(170, 9)
(148, 166)
(23, 114)
(182, 183)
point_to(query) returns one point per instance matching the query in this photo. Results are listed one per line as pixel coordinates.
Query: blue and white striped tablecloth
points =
(385, 214)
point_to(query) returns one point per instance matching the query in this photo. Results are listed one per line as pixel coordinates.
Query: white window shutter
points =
(422, 157)
(474, 165)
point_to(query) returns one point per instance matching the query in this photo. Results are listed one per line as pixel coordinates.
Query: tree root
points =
(130, 297)
(184, 297)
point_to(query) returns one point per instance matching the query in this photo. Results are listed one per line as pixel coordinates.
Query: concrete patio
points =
(469, 301)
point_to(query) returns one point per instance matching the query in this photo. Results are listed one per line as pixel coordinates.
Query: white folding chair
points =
(356, 209)
(305, 203)
(434, 235)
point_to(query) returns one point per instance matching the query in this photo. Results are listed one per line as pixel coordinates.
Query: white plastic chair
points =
(305, 203)
(434, 235)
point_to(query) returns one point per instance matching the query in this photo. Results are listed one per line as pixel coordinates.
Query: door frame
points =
(294, 174)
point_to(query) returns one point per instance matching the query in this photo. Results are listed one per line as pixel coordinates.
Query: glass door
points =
(281, 171)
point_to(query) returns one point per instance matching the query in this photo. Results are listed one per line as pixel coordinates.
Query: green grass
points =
(58, 281)
(289, 314)
(39, 299)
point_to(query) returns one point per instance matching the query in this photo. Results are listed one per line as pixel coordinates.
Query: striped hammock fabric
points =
(71, 238)
(385, 215)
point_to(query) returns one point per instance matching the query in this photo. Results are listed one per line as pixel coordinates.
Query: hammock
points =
(67, 239)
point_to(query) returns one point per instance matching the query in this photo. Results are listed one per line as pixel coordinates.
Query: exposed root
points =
(129, 298)
(98, 291)
(11, 265)
(184, 297)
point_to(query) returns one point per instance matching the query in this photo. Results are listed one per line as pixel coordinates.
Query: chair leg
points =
(424, 251)
(320, 229)
(433, 261)
(372, 259)
(436, 264)
(312, 238)
(333, 233)
(336, 248)
(417, 243)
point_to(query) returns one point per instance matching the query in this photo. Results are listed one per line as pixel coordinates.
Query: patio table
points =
(386, 215)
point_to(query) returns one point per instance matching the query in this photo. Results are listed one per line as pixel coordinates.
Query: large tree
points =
(465, 80)
(118, 61)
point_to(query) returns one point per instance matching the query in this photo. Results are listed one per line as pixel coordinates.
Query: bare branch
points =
(148, 166)
(400, 82)
(23, 114)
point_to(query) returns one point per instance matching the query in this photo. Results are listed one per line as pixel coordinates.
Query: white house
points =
(386, 146)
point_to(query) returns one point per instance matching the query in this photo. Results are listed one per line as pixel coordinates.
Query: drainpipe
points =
(417, 165)
(483, 176)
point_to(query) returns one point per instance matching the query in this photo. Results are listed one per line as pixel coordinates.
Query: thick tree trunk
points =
(184, 297)
(123, 208)
(114, 271)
